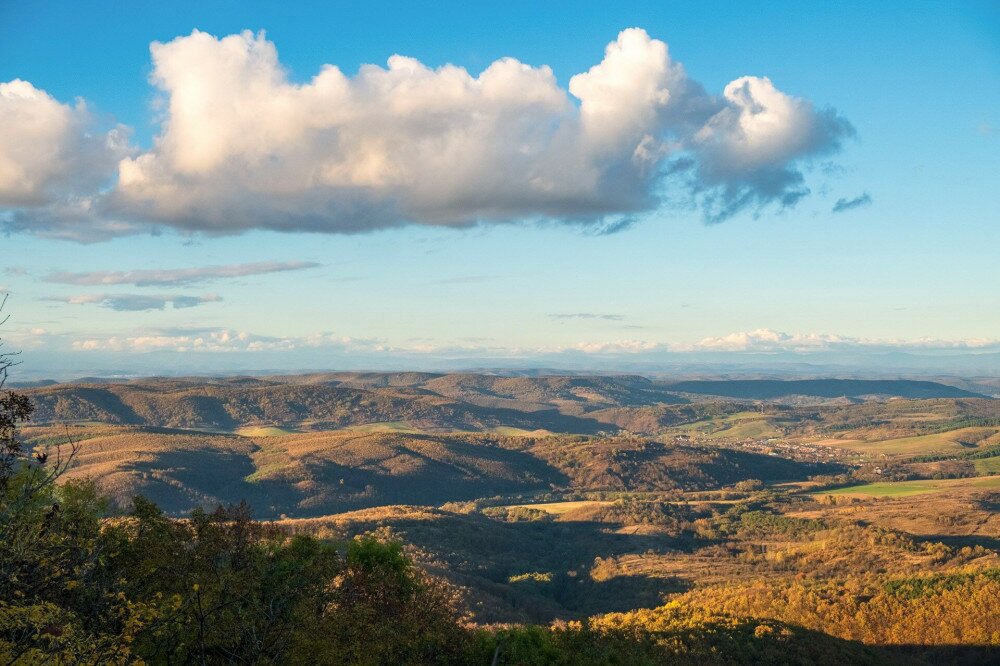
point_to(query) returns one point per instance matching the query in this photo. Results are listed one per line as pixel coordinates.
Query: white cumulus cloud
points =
(241, 146)
(768, 340)
(745, 342)
(747, 151)
(48, 149)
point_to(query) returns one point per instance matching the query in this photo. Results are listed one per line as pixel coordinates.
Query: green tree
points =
(52, 600)
(385, 611)
(221, 586)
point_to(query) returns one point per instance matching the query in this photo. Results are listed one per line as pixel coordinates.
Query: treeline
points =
(221, 588)
(941, 609)
(218, 587)
(966, 422)
(991, 452)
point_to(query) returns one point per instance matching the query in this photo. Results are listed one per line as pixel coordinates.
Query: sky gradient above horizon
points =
(282, 186)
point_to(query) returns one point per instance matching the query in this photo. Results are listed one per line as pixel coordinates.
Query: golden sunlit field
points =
(560, 508)
(907, 488)
(952, 441)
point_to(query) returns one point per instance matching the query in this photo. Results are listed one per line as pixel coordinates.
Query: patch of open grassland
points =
(385, 426)
(907, 488)
(953, 441)
(510, 431)
(742, 425)
(559, 508)
(264, 431)
(988, 465)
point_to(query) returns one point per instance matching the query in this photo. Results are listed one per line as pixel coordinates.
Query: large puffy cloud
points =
(49, 149)
(54, 160)
(241, 146)
(747, 151)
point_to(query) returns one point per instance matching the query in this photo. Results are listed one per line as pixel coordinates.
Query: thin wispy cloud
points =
(462, 279)
(177, 276)
(222, 340)
(587, 315)
(242, 147)
(614, 226)
(843, 205)
(139, 302)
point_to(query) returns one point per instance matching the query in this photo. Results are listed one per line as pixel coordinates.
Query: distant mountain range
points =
(763, 389)
(860, 363)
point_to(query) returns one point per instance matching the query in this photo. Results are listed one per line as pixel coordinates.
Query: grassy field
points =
(510, 431)
(42, 436)
(263, 431)
(559, 508)
(953, 441)
(742, 425)
(908, 488)
(988, 465)
(385, 426)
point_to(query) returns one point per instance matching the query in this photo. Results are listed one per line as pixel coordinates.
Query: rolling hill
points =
(226, 406)
(438, 403)
(316, 473)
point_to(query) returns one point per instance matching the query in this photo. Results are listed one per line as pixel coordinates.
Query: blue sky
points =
(902, 127)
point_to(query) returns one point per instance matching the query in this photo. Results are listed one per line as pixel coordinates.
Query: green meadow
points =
(907, 488)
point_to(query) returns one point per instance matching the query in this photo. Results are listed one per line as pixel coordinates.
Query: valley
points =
(556, 498)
